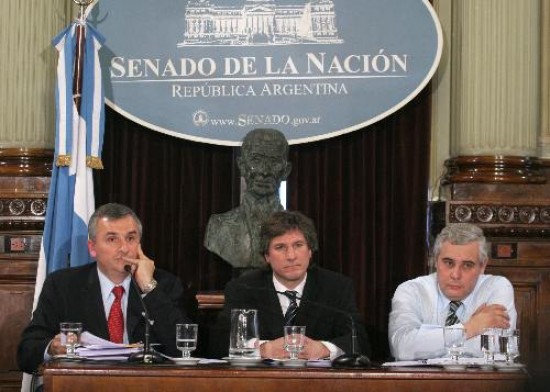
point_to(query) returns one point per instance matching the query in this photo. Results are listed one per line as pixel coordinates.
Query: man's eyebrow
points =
(115, 233)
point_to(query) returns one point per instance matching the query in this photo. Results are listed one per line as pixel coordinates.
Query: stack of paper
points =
(96, 348)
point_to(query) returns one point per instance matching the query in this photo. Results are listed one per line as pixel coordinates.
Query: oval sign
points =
(212, 70)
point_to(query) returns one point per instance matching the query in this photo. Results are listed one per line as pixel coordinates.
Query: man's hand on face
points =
(142, 268)
(487, 316)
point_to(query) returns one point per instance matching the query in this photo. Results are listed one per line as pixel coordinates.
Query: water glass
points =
(186, 338)
(295, 337)
(489, 342)
(509, 344)
(244, 339)
(454, 337)
(70, 336)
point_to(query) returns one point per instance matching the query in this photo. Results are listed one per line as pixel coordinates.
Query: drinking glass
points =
(295, 337)
(186, 339)
(70, 336)
(489, 341)
(244, 339)
(509, 344)
(454, 337)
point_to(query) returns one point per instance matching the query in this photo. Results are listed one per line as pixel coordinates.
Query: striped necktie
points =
(290, 314)
(452, 318)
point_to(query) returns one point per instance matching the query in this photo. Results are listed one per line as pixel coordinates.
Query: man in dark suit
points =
(234, 235)
(325, 299)
(85, 294)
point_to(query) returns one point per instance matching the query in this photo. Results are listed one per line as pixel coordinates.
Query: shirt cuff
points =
(334, 350)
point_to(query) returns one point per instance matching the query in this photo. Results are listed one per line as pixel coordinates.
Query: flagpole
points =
(79, 50)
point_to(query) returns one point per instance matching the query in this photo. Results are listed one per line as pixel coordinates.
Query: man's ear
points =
(91, 248)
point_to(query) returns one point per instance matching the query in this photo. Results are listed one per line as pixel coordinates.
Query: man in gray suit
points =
(263, 163)
(85, 294)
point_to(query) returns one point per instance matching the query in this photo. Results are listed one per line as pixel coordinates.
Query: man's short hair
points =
(282, 222)
(111, 211)
(460, 234)
(264, 136)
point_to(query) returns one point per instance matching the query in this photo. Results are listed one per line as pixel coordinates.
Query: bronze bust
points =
(263, 163)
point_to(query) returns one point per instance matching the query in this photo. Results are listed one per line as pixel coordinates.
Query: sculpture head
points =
(264, 161)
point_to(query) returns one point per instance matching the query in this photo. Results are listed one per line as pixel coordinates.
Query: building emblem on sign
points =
(260, 22)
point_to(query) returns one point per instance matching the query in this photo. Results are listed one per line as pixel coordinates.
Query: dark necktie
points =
(115, 321)
(452, 318)
(290, 314)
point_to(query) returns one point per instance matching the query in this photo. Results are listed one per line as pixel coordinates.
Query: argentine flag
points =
(78, 144)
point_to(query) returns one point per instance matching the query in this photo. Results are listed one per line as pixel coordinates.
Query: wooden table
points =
(75, 377)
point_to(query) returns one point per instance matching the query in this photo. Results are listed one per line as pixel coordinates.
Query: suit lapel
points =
(93, 305)
(133, 313)
(309, 312)
(272, 307)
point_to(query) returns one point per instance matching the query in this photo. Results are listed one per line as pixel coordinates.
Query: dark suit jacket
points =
(74, 294)
(327, 303)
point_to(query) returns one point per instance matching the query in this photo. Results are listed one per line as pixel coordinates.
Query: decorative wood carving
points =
(24, 184)
(494, 169)
(509, 197)
(503, 219)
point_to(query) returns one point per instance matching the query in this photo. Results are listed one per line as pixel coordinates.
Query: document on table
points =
(96, 348)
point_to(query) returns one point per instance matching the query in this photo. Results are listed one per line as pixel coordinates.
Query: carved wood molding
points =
(26, 162)
(495, 169)
(210, 299)
(503, 219)
(24, 183)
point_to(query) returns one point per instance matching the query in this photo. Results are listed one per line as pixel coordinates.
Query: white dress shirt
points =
(419, 310)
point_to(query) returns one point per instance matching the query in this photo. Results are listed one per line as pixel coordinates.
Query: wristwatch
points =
(149, 287)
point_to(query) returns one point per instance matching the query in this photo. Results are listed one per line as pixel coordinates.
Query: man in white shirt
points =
(420, 307)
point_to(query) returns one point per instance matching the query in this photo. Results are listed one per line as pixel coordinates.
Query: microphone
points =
(353, 359)
(148, 355)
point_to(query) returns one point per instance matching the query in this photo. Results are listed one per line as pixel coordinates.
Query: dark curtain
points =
(366, 191)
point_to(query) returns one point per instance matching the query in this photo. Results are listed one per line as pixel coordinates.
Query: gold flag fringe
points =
(94, 162)
(63, 160)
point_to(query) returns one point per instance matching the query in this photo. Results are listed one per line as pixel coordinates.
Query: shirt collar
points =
(107, 285)
(466, 302)
(281, 287)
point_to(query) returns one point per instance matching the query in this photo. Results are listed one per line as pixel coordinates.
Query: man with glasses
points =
(234, 235)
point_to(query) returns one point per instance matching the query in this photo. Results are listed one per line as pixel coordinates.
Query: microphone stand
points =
(353, 360)
(148, 355)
